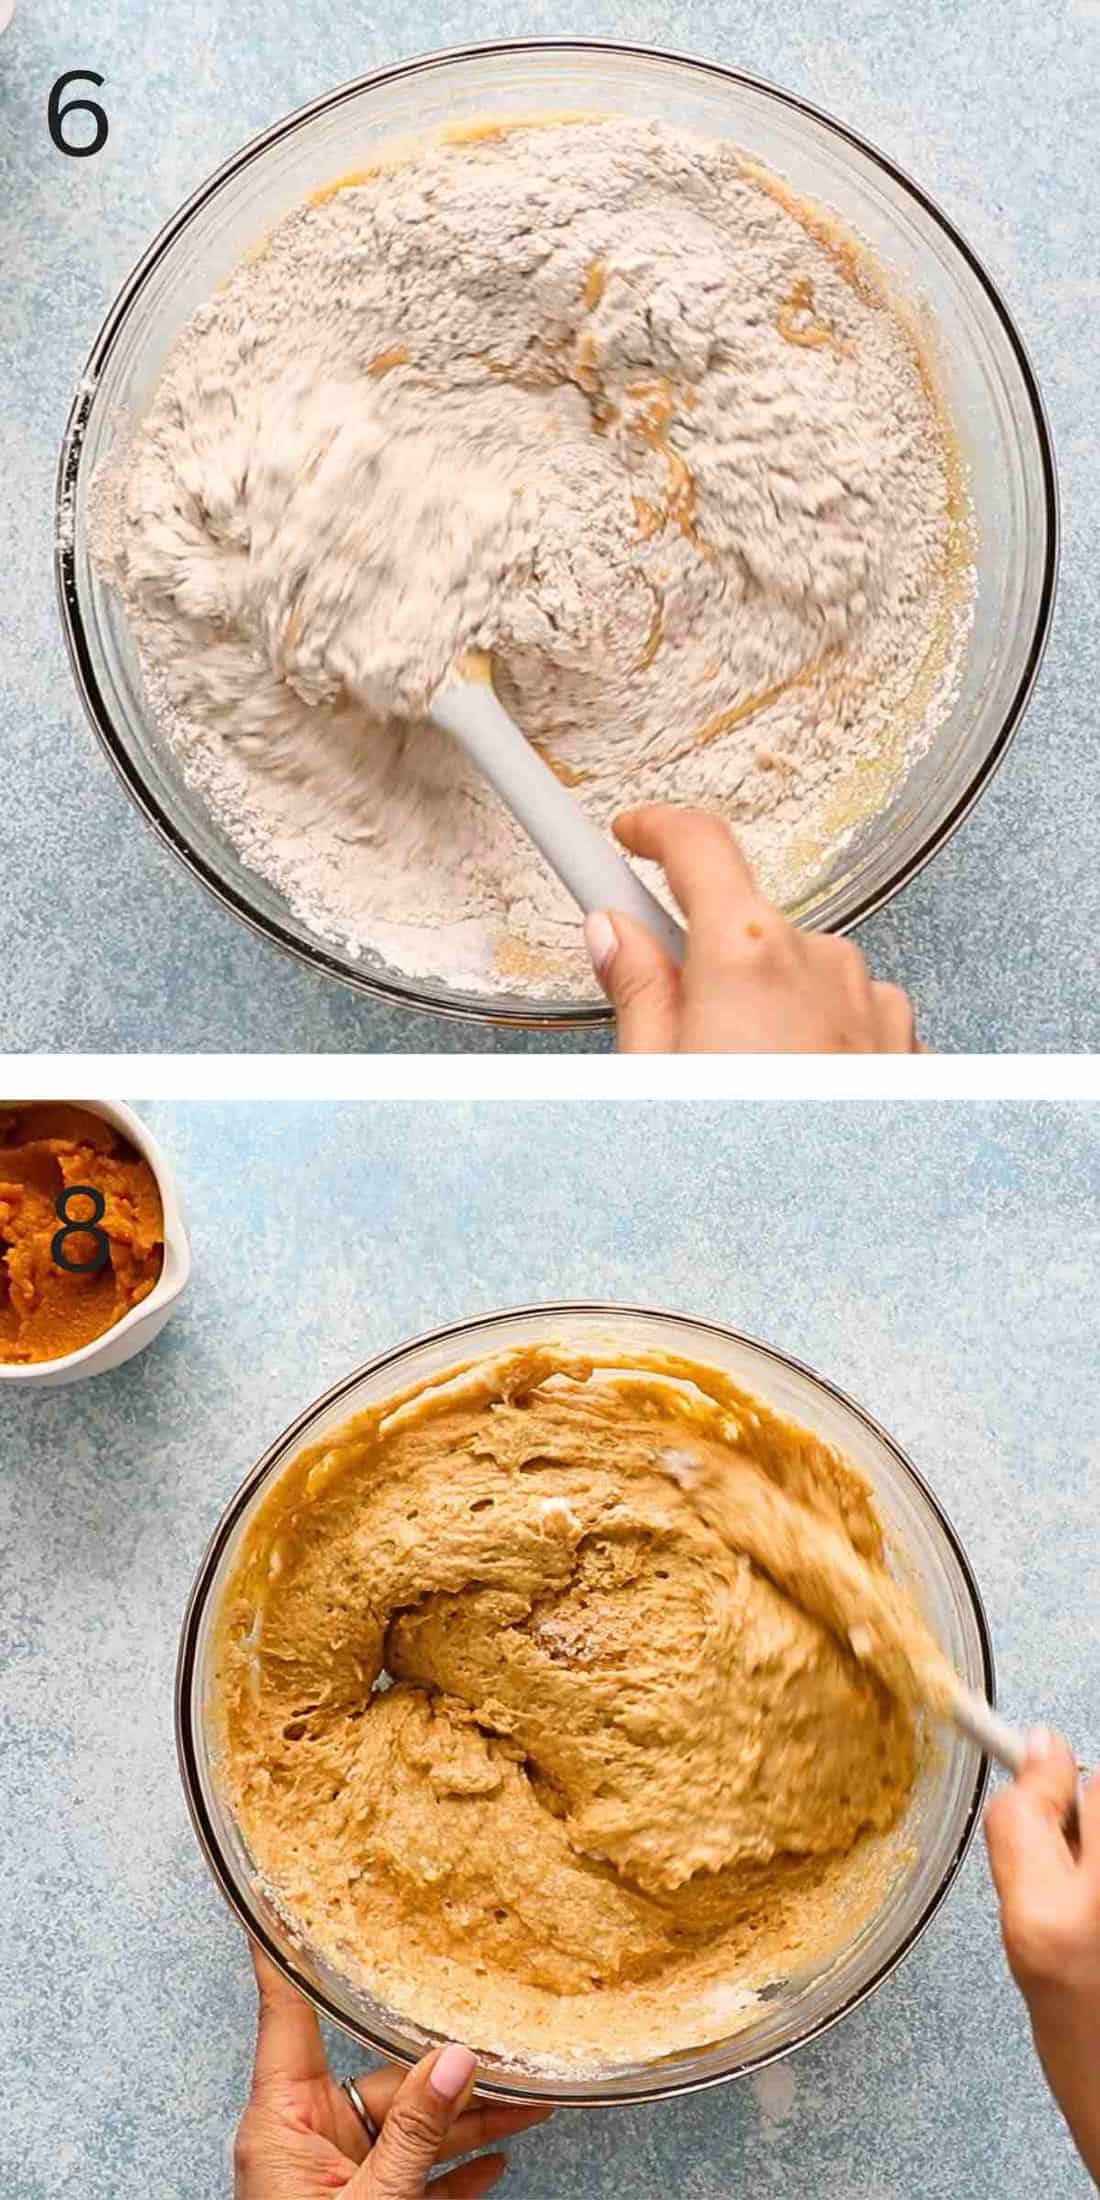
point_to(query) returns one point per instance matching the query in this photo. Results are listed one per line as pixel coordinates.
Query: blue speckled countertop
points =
(107, 945)
(940, 1262)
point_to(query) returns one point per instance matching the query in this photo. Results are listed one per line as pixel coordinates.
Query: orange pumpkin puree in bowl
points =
(47, 1309)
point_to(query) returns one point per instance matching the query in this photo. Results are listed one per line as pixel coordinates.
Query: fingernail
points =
(1040, 1742)
(451, 2071)
(600, 940)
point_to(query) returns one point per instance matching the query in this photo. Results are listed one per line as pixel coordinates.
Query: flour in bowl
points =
(604, 400)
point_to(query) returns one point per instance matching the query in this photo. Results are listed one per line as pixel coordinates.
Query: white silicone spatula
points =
(979, 1722)
(977, 1719)
(587, 863)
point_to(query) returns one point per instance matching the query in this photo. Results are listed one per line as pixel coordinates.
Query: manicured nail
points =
(1040, 1742)
(600, 940)
(451, 2071)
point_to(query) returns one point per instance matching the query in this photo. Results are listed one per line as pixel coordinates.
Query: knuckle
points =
(413, 2128)
(896, 1007)
(699, 831)
(651, 987)
(849, 965)
(1040, 1944)
(762, 921)
(844, 994)
(392, 2180)
(762, 916)
(700, 821)
(760, 935)
(246, 2148)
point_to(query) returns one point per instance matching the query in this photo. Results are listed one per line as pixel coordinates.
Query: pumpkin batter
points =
(46, 1310)
(535, 1703)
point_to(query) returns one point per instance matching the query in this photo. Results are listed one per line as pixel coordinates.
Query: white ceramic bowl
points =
(144, 1322)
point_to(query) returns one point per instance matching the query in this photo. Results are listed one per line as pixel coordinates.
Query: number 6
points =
(57, 114)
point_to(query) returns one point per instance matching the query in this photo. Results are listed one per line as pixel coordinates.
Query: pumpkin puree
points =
(45, 1310)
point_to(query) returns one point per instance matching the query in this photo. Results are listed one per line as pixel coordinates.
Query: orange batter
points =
(567, 1704)
(46, 1310)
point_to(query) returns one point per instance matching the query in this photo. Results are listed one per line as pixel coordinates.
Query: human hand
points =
(751, 982)
(1049, 1893)
(300, 2138)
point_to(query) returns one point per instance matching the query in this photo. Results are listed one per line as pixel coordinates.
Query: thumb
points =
(429, 2101)
(640, 981)
(1025, 1823)
(288, 2037)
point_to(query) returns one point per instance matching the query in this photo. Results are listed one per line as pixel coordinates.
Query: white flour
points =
(590, 396)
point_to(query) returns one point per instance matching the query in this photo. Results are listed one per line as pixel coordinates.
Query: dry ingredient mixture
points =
(593, 395)
(45, 1309)
(566, 1703)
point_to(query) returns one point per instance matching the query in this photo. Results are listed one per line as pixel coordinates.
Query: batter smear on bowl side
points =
(565, 1704)
(594, 396)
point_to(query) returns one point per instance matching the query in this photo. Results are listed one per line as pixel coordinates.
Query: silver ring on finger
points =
(348, 2086)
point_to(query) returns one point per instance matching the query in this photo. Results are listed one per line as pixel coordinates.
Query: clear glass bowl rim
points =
(315, 956)
(290, 1441)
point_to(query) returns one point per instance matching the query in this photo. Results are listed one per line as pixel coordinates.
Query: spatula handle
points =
(974, 1717)
(586, 862)
(977, 1719)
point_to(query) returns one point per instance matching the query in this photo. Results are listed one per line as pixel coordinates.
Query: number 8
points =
(89, 1228)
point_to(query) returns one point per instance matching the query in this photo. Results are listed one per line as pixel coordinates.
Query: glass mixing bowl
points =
(982, 365)
(946, 1804)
